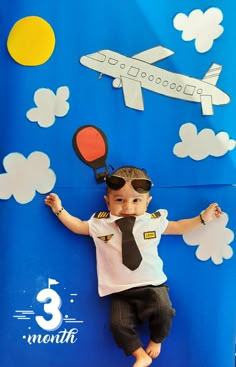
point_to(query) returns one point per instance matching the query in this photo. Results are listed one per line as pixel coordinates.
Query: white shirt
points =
(113, 276)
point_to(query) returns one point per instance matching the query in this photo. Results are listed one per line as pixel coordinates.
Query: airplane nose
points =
(97, 56)
(82, 60)
(221, 98)
(227, 99)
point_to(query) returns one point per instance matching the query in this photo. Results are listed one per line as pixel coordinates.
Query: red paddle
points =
(90, 144)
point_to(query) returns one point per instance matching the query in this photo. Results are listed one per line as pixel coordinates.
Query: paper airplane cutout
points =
(134, 73)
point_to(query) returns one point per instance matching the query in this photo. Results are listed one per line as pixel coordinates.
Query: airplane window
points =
(133, 71)
(199, 91)
(112, 61)
(172, 86)
(98, 56)
(179, 88)
(122, 66)
(165, 83)
(151, 77)
(158, 80)
(143, 75)
(189, 89)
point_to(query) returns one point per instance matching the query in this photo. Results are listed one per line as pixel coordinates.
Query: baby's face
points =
(127, 202)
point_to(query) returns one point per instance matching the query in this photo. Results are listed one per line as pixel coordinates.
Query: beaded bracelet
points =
(59, 211)
(202, 220)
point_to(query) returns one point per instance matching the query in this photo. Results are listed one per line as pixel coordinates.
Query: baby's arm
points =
(187, 225)
(72, 223)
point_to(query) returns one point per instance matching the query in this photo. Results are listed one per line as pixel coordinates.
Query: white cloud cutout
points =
(25, 176)
(49, 106)
(200, 145)
(204, 27)
(212, 240)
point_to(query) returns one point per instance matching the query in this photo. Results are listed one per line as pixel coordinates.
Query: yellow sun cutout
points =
(31, 41)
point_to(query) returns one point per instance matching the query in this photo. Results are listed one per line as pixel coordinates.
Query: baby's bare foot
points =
(153, 349)
(142, 359)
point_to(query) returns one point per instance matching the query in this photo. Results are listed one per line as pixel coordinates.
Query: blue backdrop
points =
(37, 249)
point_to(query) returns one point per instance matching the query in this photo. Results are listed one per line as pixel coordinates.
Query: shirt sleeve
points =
(90, 223)
(163, 221)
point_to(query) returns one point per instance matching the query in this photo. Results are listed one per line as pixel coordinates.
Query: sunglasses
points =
(141, 185)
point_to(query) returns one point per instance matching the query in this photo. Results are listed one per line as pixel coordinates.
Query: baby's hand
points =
(54, 202)
(212, 212)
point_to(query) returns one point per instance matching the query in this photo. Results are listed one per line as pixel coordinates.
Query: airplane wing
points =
(212, 74)
(207, 107)
(154, 54)
(132, 93)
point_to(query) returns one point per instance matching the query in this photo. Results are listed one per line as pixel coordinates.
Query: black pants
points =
(136, 305)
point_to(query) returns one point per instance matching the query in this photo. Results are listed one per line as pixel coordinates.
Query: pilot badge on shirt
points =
(106, 238)
(149, 235)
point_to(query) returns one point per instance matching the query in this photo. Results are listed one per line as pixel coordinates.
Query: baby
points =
(129, 268)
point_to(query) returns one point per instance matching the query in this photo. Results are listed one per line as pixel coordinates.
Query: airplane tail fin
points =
(212, 74)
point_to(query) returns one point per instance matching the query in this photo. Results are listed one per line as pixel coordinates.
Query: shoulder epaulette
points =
(155, 215)
(101, 215)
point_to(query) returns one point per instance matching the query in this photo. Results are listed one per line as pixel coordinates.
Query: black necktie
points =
(131, 256)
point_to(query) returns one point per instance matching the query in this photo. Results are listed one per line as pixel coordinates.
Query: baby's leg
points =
(153, 349)
(123, 324)
(142, 359)
(160, 321)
